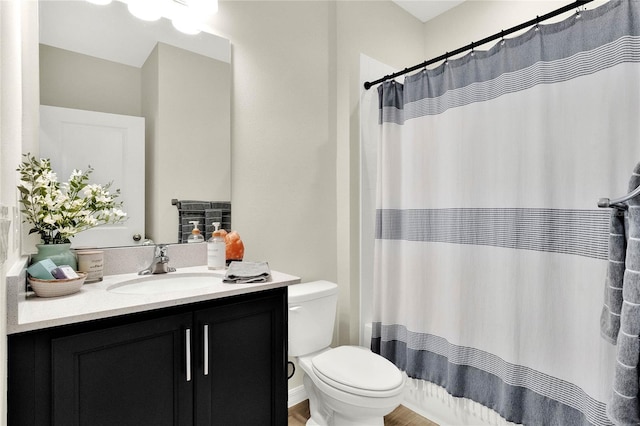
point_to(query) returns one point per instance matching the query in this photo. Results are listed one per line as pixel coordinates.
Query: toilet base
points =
(371, 421)
(338, 420)
(326, 410)
(345, 422)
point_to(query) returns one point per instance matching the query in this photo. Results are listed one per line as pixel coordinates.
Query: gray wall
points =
(74, 80)
(187, 105)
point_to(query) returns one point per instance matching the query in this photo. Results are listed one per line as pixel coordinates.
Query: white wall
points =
(370, 70)
(295, 128)
(18, 129)
(385, 32)
(283, 156)
(474, 20)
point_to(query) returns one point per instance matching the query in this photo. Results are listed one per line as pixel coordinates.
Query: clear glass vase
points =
(60, 254)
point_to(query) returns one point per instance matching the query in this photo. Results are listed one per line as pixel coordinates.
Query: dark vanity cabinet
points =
(221, 362)
(125, 375)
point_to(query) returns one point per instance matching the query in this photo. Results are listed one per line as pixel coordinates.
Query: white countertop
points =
(27, 312)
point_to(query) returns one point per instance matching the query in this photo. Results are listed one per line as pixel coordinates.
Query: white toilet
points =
(347, 385)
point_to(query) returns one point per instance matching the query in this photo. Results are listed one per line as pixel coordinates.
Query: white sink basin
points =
(164, 283)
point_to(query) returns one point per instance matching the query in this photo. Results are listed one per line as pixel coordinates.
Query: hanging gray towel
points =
(247, 272)
(623, 408)
(610, 317)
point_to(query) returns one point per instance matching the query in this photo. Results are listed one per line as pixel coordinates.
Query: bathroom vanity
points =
(200, 356)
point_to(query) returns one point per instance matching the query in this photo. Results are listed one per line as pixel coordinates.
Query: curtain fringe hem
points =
(419, 391)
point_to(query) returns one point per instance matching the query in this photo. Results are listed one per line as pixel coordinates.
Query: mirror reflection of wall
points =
(100, 58)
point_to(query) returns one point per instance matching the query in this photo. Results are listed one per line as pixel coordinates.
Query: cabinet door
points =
(135, 374)
(241, 357)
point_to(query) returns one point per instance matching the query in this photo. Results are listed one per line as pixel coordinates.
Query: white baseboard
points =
(296, 396)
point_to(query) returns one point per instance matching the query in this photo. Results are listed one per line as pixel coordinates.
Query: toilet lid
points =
(354, 368)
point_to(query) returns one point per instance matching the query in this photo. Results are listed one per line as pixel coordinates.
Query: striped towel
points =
(610, 317)
(623, 407)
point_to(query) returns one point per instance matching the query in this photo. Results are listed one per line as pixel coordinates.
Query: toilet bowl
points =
(352, 386)
(346, 385)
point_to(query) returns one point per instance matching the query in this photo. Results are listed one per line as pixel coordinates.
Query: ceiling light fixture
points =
(186, 25)
(146, 10)
(187, 16)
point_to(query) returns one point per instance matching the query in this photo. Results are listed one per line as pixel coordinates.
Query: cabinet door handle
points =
(206, 349)
(188, 352)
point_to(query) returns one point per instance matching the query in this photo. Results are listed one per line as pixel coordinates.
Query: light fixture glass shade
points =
(100, 2)
(186, 25)
(147, 10)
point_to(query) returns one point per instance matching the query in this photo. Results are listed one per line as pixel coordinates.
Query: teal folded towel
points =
(247, 272)
(42, 269)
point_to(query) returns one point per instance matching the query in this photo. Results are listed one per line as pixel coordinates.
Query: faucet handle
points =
(161, 250)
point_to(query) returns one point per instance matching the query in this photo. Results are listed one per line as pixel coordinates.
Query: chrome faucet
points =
(160, 264)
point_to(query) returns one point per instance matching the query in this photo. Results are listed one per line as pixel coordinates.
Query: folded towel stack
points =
(247, 272)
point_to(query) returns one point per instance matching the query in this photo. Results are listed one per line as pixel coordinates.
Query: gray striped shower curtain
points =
(490, 250)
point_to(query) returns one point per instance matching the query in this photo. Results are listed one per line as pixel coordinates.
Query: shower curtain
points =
(490, 250)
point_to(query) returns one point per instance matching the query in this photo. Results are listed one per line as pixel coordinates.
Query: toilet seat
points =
(358, 371)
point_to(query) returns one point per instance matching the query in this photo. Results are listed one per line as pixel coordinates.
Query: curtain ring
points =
(537, 27)
(446, 58)
(473, 53)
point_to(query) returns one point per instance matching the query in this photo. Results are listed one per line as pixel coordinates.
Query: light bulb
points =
(146, 10)
(186, 25)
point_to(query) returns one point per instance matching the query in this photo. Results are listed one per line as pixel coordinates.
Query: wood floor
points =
(401, 416)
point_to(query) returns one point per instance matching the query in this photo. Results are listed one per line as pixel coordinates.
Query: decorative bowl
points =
(54, 288)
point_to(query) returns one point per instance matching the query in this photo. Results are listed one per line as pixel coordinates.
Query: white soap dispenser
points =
(195, 236)
(216, 249)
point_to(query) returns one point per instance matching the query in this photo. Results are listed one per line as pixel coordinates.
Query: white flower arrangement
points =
(58, 211)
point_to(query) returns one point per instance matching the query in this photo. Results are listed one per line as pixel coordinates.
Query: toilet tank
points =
(312, 314)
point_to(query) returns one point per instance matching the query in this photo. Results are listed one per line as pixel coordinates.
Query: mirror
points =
(102, 59)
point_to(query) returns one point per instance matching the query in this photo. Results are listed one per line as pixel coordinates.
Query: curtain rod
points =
(501, 34)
